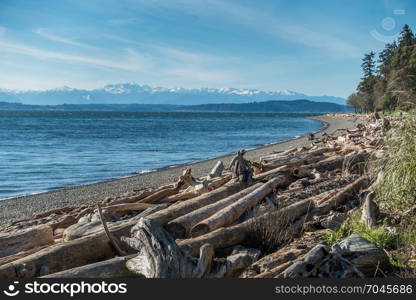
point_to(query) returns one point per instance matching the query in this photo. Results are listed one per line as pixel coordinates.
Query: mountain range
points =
(129, 93)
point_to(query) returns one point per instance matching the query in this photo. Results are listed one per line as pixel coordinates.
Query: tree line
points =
(388, 83)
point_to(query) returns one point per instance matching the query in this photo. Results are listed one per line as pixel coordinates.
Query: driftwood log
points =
(34, 237)
(296, 160)
(217, 170)
(233, 235)
(346, 193)
(127, 207)
(75, 253)
(112, 268)
(231, 213)
(198, 190)
(160, 257)
(180, 227)
(180, 209)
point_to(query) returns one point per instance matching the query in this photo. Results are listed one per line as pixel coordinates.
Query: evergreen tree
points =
(385, 58)
(368, 65)
(406, 37)
(394, 84)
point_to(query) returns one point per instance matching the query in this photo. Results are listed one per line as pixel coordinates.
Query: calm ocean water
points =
(42, 151)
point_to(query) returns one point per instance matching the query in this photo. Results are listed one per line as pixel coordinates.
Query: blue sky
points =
(312, 47)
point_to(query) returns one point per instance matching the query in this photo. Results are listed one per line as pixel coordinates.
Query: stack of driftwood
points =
(249, 219)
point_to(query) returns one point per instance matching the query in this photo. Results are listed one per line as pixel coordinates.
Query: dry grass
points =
(268, 233)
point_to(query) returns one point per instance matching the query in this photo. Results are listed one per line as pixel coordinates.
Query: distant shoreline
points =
(23, 206)
(269, 106)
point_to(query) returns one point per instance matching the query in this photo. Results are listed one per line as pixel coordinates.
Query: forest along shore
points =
(249, 218)
(24, 206)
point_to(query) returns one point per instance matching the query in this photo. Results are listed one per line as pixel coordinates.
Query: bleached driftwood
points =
(229, 214)
(180, 209)
(181, 226)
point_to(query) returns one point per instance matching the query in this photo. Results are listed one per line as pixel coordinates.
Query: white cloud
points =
(43, 32)
(134, 61)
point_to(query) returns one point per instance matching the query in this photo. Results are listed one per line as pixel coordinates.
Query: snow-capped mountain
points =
(128, 93)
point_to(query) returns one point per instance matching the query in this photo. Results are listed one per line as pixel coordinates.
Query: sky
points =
(313, 47)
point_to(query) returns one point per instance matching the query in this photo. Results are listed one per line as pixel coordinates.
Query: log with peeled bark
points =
(180, 209)
(33, 237)
(160, 257)
(111, 268)
(180, 227)
(231, 213)
(240, 233)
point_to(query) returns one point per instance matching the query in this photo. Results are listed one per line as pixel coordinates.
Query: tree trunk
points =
(33, 237)
(180, 227)
(231, 213)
